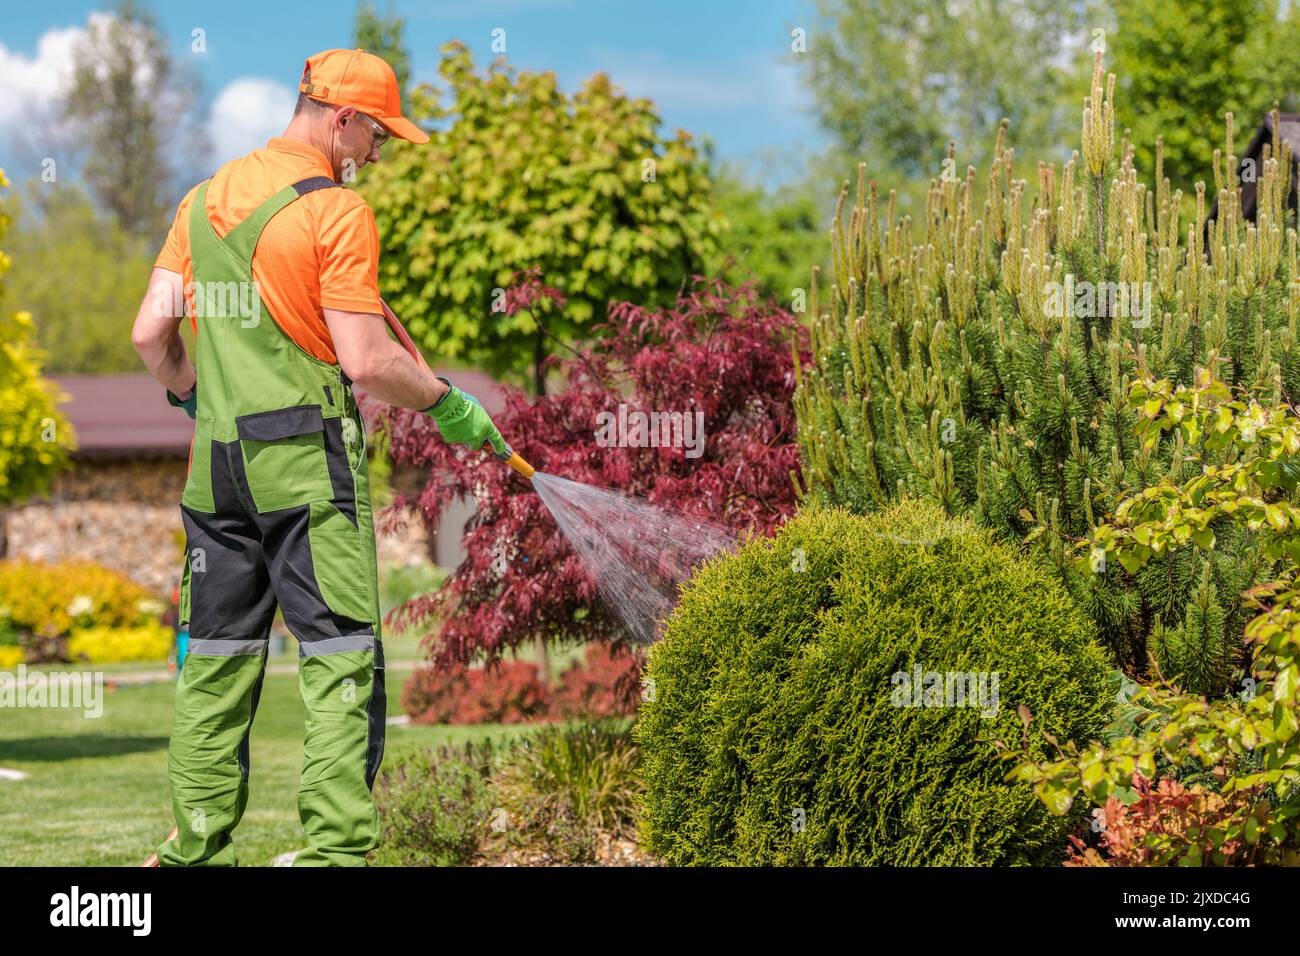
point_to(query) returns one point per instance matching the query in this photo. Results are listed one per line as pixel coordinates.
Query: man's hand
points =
(460, 418)
(190, 403)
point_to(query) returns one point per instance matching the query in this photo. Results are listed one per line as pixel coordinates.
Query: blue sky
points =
(718, 68)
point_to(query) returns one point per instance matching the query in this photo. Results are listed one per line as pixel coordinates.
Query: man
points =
(285, 306)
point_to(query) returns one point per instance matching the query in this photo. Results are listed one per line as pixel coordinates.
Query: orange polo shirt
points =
(319, 252)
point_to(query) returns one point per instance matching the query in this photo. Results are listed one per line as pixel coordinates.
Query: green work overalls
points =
(277, 512)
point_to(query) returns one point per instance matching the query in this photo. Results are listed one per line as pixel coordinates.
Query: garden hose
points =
(509, 456)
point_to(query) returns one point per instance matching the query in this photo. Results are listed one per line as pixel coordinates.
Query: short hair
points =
(310, 106)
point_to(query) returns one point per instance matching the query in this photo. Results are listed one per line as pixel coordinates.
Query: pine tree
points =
(1198, 656)
(985, 366)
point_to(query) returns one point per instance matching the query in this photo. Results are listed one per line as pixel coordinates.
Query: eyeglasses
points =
(380, 136)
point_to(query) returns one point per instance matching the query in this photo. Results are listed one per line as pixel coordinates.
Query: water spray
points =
(637, 553)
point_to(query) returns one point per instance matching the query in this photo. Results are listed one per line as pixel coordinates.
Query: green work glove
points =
(460, 418)
(190, 404)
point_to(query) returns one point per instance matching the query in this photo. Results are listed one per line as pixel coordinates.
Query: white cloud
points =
(30, 85)
(31, 88)
(247, 113)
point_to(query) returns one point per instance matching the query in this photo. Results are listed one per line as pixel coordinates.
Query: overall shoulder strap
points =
(201, 231)
(242, 240)
(311, 184)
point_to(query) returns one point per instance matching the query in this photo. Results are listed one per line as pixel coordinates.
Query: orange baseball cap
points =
(362, 80)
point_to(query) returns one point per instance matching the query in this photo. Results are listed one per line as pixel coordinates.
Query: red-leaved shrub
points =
(506, 692)
(1169, 824)
(720, 350)
(605, 684)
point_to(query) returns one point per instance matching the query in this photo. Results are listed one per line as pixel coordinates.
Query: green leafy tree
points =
(383, 36)
(1184, 65)
(896, 81)
(770, 237)
(127, 101)
(82, 277)
(986, 366)
(520, 175)
(34, 437)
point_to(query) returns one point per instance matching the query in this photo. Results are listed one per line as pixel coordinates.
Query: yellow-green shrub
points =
(106, 645)
(10, 656)
(51, 600)
(34, 436)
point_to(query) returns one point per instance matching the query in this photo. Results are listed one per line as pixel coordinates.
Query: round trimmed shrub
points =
(778, 730)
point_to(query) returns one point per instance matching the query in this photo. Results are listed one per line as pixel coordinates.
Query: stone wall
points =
(157, 481)
(126, 515)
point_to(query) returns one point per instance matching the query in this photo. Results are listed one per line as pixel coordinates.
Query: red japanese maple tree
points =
(720, 350)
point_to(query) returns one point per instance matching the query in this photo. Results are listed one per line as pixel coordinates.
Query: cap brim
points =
(403, 128)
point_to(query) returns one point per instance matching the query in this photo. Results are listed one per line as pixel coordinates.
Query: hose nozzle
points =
(521, 466)
(512, 458)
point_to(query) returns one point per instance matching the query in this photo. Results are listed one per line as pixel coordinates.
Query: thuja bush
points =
(985, 366)
(788, 724)
(719, 351)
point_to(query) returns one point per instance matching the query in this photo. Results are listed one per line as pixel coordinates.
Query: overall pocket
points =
(341, 564)
(198, 482)
(284, 457)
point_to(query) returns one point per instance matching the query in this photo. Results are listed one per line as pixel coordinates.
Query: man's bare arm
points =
(156, 333)
(378, 364)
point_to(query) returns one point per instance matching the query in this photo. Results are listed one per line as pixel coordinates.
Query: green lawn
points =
(96, 790)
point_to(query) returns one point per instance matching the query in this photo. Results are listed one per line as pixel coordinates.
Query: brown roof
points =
(479, 384)
(124, 416)
(1288, 132)
(127, 416)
